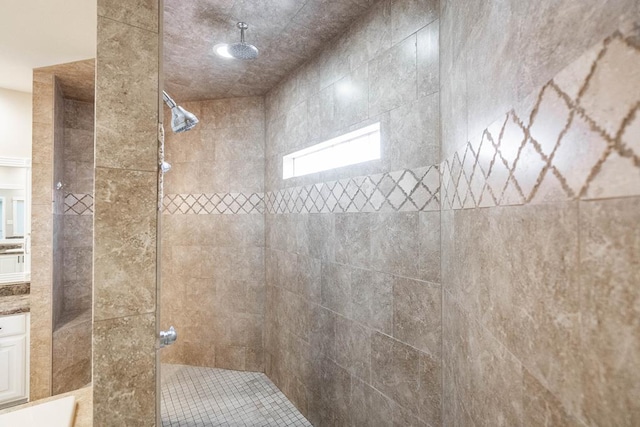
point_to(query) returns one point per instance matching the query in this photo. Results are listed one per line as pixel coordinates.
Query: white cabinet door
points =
(12, 368)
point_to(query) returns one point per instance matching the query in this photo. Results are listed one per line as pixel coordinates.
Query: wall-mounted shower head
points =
(181, 119)
(243, 50)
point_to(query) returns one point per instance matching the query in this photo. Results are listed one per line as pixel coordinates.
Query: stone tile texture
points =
(213, 284)
(539, 254)
(125, 214)
(353, 301)
(531, 318)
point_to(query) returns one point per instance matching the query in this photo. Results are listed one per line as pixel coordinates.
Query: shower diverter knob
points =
(168, 337)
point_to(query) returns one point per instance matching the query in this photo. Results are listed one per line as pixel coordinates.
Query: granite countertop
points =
(16, 248)
(14, 298)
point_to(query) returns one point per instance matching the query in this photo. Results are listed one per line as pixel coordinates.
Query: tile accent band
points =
(579, 140)
(78, 204)
(404, 190)
(213, 204)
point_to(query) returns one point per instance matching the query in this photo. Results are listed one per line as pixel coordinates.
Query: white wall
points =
(11, 177)
(15, 123)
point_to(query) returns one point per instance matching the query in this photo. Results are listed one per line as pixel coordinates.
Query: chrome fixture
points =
(168, 337)
(59, 185)
(242, 50)
(165, 167)
(181, 119)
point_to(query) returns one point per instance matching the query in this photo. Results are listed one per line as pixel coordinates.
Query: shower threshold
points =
(196, 396)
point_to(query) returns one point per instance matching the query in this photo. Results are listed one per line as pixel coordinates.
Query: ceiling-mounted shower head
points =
(243, 50)
(181, 119)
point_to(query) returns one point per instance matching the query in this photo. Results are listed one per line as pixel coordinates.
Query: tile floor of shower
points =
(195, 396)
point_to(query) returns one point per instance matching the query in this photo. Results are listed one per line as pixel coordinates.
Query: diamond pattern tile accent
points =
(404, 190)
(561, 147)
(78, 204)
(207, 204)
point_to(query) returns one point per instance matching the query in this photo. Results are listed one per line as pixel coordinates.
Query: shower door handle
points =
(168, 337)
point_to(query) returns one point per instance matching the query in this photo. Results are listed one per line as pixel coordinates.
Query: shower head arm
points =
(167, 99)
(243, 26)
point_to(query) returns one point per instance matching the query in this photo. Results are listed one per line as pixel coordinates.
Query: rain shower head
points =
(242, 50)
(181, 119)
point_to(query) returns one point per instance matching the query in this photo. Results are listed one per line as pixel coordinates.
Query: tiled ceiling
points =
(287, 33)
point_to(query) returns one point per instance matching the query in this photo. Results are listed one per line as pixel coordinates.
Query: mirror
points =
(14, 222)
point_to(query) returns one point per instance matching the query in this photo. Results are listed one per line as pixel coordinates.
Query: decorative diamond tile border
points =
(581, 139)
(78, 204)
(217, 203)
(405, 190)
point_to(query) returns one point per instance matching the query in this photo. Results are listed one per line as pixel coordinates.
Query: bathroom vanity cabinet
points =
(14, 353)
(12, 263)
(12, 259)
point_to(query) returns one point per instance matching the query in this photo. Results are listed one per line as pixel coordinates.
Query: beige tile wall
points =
(539, 224)
(494, 55)
(72, 353)
(125, 214)
(52, 119)
(78, 179)
(213, 250)
(58, 206)
(352, 327)
(72, 328)
(353, 314)
(42, 210)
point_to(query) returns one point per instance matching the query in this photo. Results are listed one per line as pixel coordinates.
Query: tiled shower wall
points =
(49, 206)
(57, 290)
(42, 235)
(72, 328)
(353, 313)
(125, 213)
(213, 236)
(78, 204)
(540, 185)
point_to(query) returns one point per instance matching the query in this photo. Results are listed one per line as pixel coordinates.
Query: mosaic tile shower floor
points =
(194, 396)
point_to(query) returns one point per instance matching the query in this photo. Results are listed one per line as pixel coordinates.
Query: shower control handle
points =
(168, 337)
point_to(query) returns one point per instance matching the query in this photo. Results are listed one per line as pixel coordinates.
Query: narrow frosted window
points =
(354, 147)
